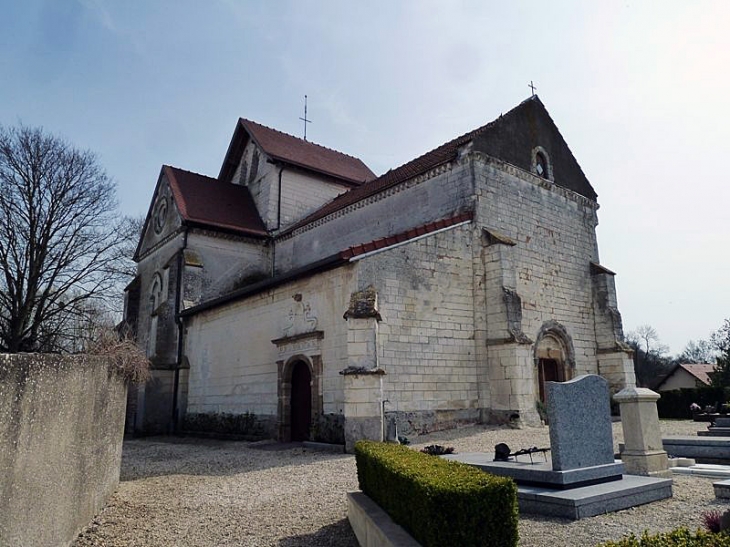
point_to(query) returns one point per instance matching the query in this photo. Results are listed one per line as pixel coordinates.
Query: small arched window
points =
(541, 165)
(156, 293)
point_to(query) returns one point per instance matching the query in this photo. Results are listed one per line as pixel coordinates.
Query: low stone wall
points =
(61, 430)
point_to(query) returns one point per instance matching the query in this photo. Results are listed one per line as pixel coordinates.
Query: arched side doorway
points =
(300, 406)
(300, 401)
(554, 356)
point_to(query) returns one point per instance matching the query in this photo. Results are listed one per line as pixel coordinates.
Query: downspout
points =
(179, 321)
(278, 224)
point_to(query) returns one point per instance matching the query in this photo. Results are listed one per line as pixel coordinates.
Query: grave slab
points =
(588, 501)
(541, 474)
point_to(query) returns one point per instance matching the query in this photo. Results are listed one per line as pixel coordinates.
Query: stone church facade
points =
(300, 289)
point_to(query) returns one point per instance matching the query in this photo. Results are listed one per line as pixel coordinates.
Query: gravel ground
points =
(185, 492)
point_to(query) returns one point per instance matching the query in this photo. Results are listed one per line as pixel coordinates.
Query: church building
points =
(300, 294)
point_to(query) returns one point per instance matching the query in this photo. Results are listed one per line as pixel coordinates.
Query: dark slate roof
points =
(206, 202)
(291, 150)
(511, 138)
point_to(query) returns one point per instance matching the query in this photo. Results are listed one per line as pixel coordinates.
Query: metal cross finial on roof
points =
(532, 86)
(304, 119)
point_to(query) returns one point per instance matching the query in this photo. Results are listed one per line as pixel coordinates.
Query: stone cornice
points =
(314, 335)
(164, 241)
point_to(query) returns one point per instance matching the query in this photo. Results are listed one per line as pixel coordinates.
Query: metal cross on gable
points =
(304, 119)
(532, 86)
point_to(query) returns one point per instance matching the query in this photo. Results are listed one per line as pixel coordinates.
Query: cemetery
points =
(213, 489)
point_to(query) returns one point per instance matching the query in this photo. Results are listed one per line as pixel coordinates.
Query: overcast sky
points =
(637, 89)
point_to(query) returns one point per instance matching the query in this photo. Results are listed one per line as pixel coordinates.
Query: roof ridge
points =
(381, 183)
(191, 172)
(300, 139)
(458, 141)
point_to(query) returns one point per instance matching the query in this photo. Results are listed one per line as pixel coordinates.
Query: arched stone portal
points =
(300, 407)
(554, 356)
(300, 400)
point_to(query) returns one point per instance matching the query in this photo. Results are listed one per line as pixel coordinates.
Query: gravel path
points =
(184, 492)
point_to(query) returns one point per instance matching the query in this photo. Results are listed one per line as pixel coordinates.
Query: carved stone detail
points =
(301, 318)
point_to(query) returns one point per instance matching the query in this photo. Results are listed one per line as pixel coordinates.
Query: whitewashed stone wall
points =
(301, 193)
(217, 264)
(679, 380)
(233, 362)
(426, 336)
(547, 268)
(262, 184)
(439, 194)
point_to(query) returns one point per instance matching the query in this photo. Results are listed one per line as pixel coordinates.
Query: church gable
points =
(182, 197)
(288, 177)
(528, 138)
(287, 149)
(525, 137)
(163, 218)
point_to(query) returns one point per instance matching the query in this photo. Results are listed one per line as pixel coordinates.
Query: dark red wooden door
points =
(301, 401)
(549, 371)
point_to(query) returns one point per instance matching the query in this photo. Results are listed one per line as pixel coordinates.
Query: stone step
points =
(703, 470)
(722, 489)
(709, 449)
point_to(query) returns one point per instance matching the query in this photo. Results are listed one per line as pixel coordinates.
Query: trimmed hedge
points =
(675, 403)
(439, 502)
(677, 538)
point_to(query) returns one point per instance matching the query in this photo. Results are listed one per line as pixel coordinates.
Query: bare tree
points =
(701, 351)
(650, 364)
(649, 338)
(60, 248)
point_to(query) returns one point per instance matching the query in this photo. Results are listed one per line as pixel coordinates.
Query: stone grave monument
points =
(582, 479)
(720, 427)
(643, 453)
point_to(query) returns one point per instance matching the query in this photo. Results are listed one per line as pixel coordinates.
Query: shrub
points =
(676, 403)
(676, 538)
(711, 520)
(125, 357)
(438, 502)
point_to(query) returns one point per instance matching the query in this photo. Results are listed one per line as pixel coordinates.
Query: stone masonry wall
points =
(61, 430)
(439, 194)
(233, 362)
(216, 265)
(426, 336)
(302, 194)
(554, 232)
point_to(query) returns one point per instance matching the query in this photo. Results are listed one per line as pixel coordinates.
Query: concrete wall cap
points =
(636, 394)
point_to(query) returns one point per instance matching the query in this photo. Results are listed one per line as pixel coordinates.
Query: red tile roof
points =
(208, 202)
(436, 157)
(384, 242)
(426, 162)
(699, 371)
(295, 151)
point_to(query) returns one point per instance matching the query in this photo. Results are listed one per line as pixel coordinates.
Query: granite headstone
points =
(580, 423)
